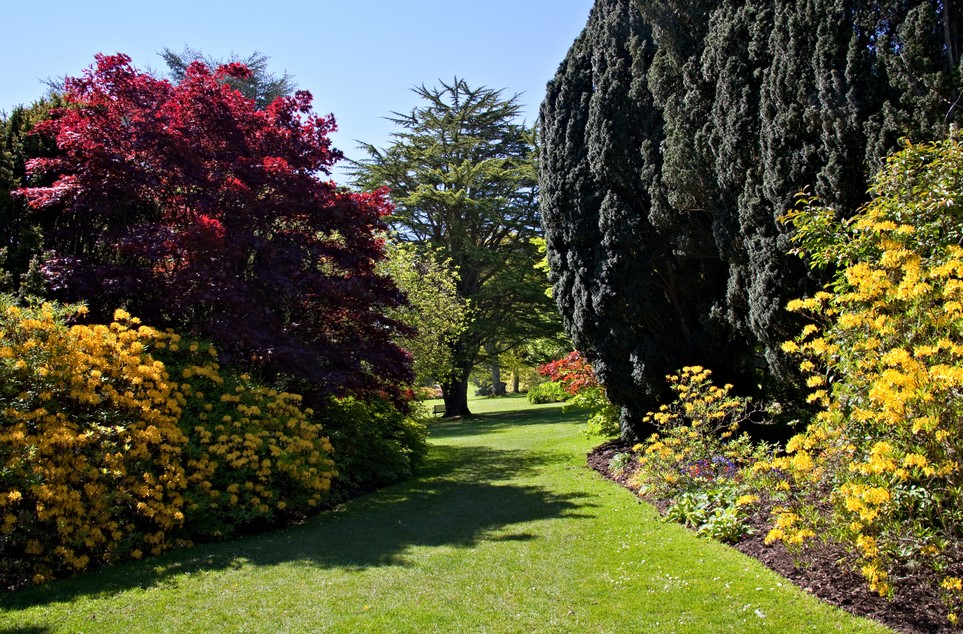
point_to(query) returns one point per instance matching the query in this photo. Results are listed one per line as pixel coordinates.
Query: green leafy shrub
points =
(578, 379)
(603, 417)
(547, 392)
(719, 512)
(621, 461)
(375, 443)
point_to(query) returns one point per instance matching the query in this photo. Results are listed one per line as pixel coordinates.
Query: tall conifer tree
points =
(619, 260)
(462, 175)
(261, 85)
(675, 136)
(21, 231)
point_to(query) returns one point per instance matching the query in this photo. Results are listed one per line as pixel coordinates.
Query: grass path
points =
(504, 531)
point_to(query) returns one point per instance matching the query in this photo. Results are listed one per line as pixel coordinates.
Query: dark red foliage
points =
(190, 207)
(572, 371)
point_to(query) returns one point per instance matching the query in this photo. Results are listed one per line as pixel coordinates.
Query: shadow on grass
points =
(465, 496)
(499, 421)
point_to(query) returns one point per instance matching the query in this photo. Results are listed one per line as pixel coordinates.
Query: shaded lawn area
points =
(505, 530)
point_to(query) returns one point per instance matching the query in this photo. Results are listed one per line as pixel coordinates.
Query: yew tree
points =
(192, 208)
(677, 133)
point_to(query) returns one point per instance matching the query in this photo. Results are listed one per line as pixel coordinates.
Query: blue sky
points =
(359, 58)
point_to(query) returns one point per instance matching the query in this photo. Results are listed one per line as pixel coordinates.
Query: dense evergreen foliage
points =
(20, 232)
(675, 135)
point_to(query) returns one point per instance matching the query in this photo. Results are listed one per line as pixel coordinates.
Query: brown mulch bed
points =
(916, 607)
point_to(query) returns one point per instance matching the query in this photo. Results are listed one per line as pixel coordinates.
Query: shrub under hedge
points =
(374, 442)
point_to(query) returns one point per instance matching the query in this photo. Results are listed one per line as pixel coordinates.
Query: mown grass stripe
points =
(505, 531)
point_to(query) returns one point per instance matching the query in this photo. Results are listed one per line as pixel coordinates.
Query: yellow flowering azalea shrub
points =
(885, 362)
(89, 444)
(120, 440)
(253, 454)
(696, 461)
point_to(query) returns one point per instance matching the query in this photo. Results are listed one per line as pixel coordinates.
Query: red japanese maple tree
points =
(192, 208)
(572, 371)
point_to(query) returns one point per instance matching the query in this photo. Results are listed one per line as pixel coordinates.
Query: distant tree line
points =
(677, 133)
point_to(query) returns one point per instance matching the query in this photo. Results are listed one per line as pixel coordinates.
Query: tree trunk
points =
(949, 39)
(515, 381)
(455, 393)
(498, 388)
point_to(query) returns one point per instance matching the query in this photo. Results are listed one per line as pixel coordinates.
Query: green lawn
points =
(506, 530)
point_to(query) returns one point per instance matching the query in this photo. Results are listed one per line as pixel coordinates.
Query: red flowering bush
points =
(578, 379)
(572, 371)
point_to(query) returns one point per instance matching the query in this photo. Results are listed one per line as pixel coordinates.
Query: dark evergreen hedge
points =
(677, 132)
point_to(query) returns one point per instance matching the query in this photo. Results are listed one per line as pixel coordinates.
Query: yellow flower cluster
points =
(952, 588)
(695, 441)
(887, 369)
(788, 528)
(254, 451)
(89, 442)
(700, 405)
(103, 455)
(877, 577)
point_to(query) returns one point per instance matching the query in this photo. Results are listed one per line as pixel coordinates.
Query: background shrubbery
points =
(548, 392)
(577, 379)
